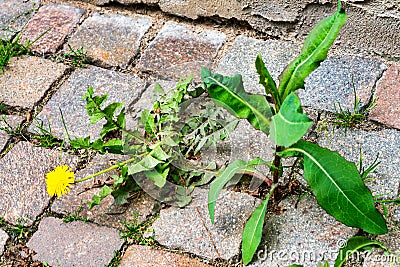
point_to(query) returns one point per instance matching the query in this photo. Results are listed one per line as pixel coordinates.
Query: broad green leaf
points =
(338, 187)
(220, 181)
(252, 231)
(229, 93)
(356, 243)
(158, 178)
(146, 164)
(159, 153)
(314, 51)
(267, 81)
(290, 124)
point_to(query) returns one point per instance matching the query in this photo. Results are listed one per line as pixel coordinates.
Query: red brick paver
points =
(387, 109)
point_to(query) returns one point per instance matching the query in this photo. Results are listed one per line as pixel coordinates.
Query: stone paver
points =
(329, 84)
(110, 40)
(241, 59)
(14, 14)
(60, 19)
(26, 80)
(334, 81)
(3, 239)
(302, 235)
(120, 87)
(10, 121)
(387, 108)
(178, 52)
(143, 256)
(108, 213)
(74, 244)
(22, 181)
(386, 177)
(184, 228)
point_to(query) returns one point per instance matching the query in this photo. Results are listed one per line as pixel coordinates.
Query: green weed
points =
(75, 216)
(134, 232)
(349, 118)
(78, 57)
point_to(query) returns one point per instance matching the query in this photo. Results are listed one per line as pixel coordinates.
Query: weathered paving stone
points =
(108, 213)
(14, 14)
(74, 244)
(304, 235)
(387, 108)
(242, 56)
(22, 181)
(144, 256)
(10, 122)
(3, 240)
(146, 101)
(329, 84)
(386, 177)
(26, 79)
(120, 87)
(184, 228)
(60, 19)
(178, 52)
(335, 80)
(110, 40)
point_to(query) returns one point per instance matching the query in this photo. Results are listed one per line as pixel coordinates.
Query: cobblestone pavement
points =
(128, 50)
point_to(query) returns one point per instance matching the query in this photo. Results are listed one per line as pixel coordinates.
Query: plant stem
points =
(276, 165)
(108, 169)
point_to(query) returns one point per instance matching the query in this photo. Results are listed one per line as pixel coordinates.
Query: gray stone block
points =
(120, 87)
(190, 228)
(74, 244)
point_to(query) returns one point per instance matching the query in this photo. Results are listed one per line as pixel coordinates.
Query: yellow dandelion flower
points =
(59, 180)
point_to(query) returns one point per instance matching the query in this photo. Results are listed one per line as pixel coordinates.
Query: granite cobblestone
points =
(120, 87)
(177, 51)
(26, 79)
(22, 181)
(110, 40)
(54, 22)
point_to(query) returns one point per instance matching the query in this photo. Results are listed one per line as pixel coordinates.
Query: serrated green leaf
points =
(338, 187)
(289, 124)
(105, 191)
(267, 81)
(252, 231)
(111, 108)
(148, 122)
(121, 119)
(220, 181)
(80, 143)
(229, 93)
(314, 51)
(96, 116)
(108, 127)
(355, 243)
